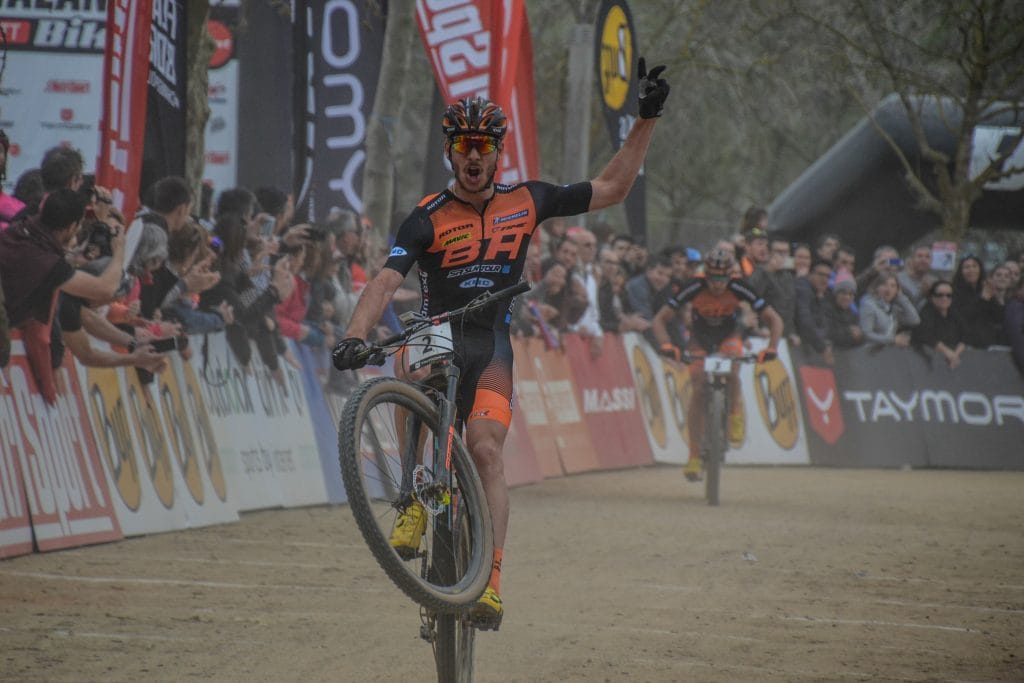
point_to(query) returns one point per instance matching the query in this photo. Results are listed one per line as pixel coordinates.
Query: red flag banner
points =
(483, 48)
(126, 66)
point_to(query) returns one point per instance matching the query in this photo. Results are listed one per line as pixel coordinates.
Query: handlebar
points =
(375, 352)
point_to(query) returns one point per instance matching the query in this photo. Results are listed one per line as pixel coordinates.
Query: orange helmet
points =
(718, 262)
(474, 115)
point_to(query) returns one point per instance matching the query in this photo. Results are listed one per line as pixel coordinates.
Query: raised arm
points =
(614, 182)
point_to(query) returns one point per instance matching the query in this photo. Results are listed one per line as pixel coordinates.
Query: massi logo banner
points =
(338, 49)
(483, 48)
(616, 61)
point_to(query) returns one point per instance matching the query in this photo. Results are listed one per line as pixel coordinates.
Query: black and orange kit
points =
(463, 253)
(714, 318)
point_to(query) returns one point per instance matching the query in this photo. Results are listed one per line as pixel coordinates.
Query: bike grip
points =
(515, 290)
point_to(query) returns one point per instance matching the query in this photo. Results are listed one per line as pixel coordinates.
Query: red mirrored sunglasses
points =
(481, 143)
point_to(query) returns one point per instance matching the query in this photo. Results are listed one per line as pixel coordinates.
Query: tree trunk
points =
(378, 172)
(197, 108)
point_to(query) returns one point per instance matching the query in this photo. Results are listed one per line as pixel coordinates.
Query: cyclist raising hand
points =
(472, 238)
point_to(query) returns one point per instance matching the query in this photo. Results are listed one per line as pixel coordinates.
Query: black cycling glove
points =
(653, 90)
(349, 354)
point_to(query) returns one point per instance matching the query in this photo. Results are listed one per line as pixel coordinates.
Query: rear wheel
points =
(388, 450)
(714, 426)
(453, 646)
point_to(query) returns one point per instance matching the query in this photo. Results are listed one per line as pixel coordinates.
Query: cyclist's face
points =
(717, 284)
(474, 170)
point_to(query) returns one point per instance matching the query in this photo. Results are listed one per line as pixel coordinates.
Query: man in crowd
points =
(589, 324)
(813, 307)
(917, 278)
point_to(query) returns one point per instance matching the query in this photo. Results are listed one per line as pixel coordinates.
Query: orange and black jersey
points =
(715, 314)
(462, 253)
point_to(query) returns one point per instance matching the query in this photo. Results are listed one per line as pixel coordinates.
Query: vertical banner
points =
(164, 150)
(617, 55)
(53, 80)
(126, 70)
(338, 50)
(483, 47)
(220, 169)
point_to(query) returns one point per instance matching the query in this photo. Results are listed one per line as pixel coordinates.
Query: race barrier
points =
(206, 439)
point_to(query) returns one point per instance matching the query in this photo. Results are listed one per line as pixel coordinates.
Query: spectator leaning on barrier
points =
(985, 318)
(917, 277)
(844, 323)
(589, 323)
(610, 297)
(886, 314)
(34, 267)
(780, 287)
(186, 248)
(812, 309)
(968, 281)
(1013, 319)
(941, 329)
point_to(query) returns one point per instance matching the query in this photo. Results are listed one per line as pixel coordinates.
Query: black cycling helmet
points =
(718, 262)
(474, 115)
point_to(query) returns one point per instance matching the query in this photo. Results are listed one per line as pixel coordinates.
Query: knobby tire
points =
(714, 426)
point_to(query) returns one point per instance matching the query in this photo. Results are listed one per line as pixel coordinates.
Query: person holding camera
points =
(886, 261)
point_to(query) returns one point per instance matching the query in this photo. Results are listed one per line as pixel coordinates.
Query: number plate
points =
(718, 365)
(429, 345)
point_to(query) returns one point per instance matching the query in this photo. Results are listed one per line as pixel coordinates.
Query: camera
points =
(898, 262)
(98, 241)
(267, 226)
(316, 234)
(169, 344)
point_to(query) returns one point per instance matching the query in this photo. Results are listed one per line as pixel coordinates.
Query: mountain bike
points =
(717, 368)
(400, 443)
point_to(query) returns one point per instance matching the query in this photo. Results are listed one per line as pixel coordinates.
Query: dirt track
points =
(801, 575)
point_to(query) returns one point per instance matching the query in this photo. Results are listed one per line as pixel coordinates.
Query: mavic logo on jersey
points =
(511, 217)
(455, 238)
(398, 251)
(476, 282)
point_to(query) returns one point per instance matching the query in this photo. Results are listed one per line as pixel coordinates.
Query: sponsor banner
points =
(483, 48)
(616, 58)
(774, 433)
(68, 500)
(316, 368)
(157, 448)
(15, 523)
(221, 137)
(126, 70)
(575, 448)
(607, 395)
(263, 428)
(521, 466)
(662, 390)
(893, 407)
(163, 153)
(338, 50)
(540, 425)
(53, 81)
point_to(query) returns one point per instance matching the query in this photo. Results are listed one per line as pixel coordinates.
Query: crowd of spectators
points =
(73, 276)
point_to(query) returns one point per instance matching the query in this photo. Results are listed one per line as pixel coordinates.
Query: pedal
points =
(407, 553)
(485, 622)
(427, 633)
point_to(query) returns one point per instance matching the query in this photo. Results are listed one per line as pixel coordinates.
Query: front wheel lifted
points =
(389, 431)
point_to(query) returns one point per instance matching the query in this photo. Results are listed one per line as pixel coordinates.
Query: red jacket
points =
(292, 311)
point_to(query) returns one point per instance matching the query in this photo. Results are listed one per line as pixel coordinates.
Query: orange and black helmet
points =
(718, 262)
(474, 115)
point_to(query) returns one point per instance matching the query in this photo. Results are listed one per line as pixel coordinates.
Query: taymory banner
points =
(616, 60)
(338, 48)
(483, 47)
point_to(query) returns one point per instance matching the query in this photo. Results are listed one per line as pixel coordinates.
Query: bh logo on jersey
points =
(823, 411)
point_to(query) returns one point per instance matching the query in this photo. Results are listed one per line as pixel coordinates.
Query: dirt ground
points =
(801, 575)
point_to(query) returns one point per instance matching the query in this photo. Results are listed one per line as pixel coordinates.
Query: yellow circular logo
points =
(154, 448)
(180, 435)
(776, 402)
(616, 58)
(647, 387)
(204, 433)
(113, 434)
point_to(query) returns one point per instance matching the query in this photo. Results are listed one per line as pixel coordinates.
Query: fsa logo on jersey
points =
(455, 238)
(398, 251)
(476, 282)
(511, 217)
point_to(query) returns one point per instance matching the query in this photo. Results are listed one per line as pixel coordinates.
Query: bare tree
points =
(197, 109)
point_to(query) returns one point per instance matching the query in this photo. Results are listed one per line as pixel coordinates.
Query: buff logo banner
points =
(483, 48)
(53, 81)
(126, 67)
(338, 50)
(164, 150)
(617, 54)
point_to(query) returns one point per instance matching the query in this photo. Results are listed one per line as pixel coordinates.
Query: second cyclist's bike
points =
(400, 445)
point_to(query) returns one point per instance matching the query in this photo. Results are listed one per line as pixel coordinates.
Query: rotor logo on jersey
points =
(498, 220)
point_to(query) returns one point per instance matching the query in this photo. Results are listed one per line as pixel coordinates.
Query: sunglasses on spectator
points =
(943, 295)
(484, 144)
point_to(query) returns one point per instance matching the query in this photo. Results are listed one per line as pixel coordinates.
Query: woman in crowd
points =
(942, 329)
(801, 259)
(610, 295)
(967, 283)
(985, 318)
(886, 313)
